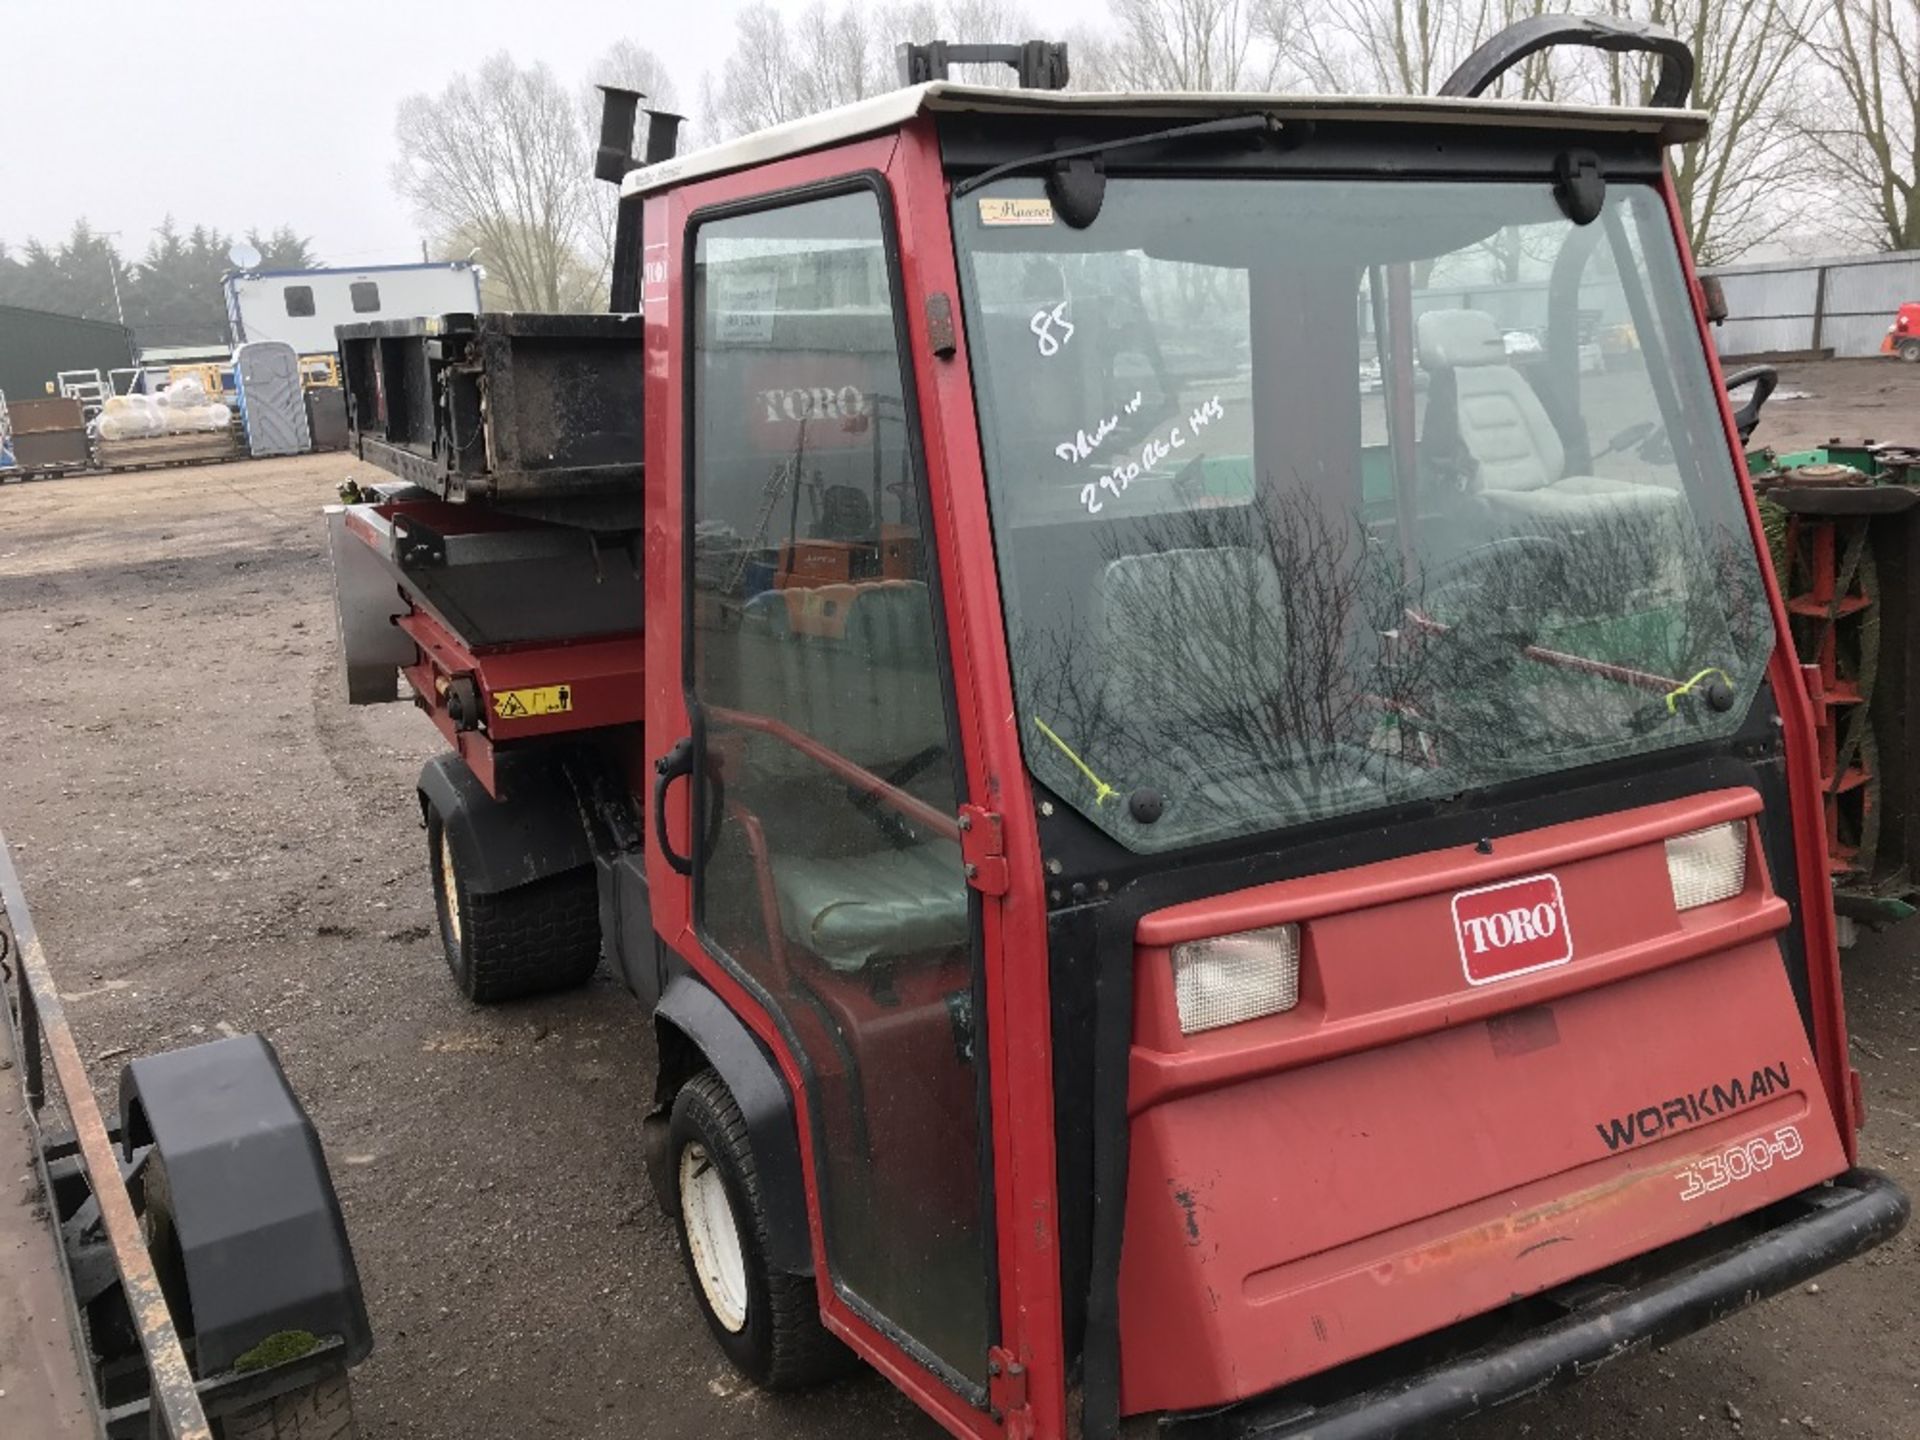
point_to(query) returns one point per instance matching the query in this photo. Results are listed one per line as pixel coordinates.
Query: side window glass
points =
(365, 295)
(299, 300)
(831, 868)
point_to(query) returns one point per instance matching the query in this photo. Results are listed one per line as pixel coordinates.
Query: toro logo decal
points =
(1512, 928)
(814, 402)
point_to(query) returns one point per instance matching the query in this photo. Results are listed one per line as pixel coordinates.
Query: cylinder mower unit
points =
(1844, 531)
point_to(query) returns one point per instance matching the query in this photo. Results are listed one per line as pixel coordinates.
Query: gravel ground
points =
(1876, 399)
(213, 841)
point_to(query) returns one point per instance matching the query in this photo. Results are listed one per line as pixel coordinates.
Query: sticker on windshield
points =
(1043, 323)
(1513, 928)
(1155, 452)
(1014, 210)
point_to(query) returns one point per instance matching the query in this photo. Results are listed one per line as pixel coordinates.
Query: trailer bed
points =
(526, 410)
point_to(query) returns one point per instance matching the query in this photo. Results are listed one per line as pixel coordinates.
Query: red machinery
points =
(1903, 336)
(1200, 844)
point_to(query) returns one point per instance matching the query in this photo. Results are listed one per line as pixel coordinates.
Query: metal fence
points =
(1843, 305)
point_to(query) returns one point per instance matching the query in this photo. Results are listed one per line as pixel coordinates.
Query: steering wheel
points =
(1764, 379)
(1464, 572)
(1647, 438)
(890, 822)
(1509, 548)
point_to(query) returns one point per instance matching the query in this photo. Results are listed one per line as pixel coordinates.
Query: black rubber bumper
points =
(1601, 1318)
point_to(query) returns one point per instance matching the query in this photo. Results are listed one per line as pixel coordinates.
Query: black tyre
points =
(767, 1321)
(525, 941)
(321, 1411)
(1910, 351)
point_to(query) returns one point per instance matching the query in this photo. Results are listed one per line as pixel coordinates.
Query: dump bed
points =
(523, 410)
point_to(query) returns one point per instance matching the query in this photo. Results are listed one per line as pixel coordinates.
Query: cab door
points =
(813, 873)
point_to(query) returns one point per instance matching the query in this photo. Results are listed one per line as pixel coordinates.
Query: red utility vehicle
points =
(1903, 336)
(1205, 850)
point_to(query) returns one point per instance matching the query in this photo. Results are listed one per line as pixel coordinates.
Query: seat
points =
(1189, 639)
(1513, 454)
(852, 666)
(856, 672)
(883, 905)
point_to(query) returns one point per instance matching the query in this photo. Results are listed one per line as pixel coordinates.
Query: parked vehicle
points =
(304, 307)
(1903, 336)
(1197, 887)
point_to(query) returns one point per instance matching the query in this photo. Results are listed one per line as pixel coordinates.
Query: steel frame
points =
(35, 1015)
(81, 1167)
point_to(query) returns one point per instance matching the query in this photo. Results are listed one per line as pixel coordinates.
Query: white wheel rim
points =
(713, 1239)
(449, 892)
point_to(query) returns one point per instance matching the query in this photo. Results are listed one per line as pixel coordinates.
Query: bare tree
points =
(497, 160)
(1395, 47)
(779, 71)
(633, 67)
(1867, 130)
(1731, 186)
(775, 73)
(1735, 186)
(1191, 45)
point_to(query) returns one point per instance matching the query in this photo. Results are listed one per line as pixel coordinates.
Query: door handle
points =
(673, 765)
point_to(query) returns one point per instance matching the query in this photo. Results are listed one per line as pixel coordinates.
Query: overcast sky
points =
(262, 114)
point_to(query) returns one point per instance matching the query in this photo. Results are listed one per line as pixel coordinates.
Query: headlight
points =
(1230, 978)
(1707, 865)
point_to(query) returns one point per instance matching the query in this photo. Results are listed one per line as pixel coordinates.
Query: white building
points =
(302, 307)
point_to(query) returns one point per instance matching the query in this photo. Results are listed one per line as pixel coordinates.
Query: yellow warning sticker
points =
(539, 700)
(1015, 210)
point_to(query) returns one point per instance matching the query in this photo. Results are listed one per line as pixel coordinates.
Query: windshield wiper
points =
(1077, 181)
(1717, 689)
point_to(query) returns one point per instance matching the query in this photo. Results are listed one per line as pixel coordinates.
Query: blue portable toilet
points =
(266, 377)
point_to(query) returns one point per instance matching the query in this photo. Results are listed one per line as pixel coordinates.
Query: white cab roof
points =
(895, 107)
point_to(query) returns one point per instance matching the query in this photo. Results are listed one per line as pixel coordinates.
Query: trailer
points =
(303, 307)
(207, 1282)
(1183, 886)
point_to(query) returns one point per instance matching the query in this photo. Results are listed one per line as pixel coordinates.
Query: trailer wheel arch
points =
(253, 1230)
(695, 1031)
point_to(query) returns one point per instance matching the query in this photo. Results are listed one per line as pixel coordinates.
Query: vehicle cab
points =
(1223, 723)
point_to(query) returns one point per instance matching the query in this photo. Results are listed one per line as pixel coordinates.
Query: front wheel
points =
(1909, 351)
(507, 944)
(766, 1321)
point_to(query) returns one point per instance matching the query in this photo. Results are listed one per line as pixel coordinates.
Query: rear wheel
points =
(321, 1411)
(525, 941)
(767, 1321)
(1909, 351)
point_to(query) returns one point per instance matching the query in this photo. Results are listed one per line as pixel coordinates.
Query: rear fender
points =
(535, 833)
(691, 1015)
(262, 1244)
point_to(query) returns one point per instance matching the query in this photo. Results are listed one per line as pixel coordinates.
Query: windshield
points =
(1316, 496)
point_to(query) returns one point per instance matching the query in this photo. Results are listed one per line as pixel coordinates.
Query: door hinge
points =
(1007, 1391)
(983, 849)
